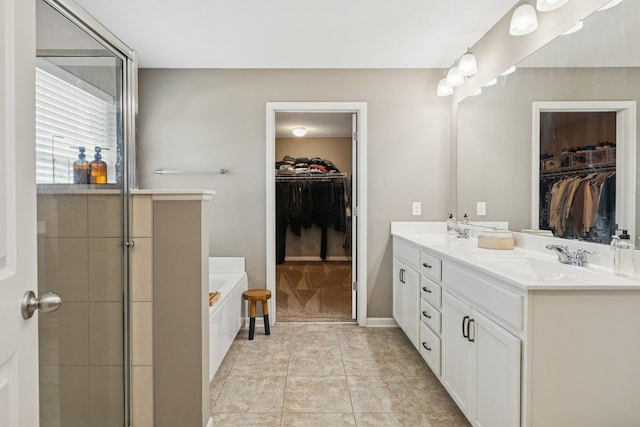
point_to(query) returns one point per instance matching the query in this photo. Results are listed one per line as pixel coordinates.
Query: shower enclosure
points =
(85, 86)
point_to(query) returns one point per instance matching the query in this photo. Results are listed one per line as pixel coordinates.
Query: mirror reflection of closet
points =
(578, 174)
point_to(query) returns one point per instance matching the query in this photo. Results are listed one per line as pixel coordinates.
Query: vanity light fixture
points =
(609, 5)
(444, 88)
(576, 27)
(468, 64)
(491, 82)
(508, 70)
(547, 5)
(523, 21)
(454, 78)
(299, 131)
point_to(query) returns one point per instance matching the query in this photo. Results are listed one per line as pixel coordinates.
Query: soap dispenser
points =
(98, 168)
(451, 224)
(623, 254)
(81, 167)
(465, 219)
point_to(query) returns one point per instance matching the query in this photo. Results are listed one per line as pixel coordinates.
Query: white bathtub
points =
(227, 276)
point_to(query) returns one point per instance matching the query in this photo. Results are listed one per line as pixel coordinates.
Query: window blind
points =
(68, 116)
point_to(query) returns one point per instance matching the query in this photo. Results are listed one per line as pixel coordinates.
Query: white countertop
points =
(523, 267)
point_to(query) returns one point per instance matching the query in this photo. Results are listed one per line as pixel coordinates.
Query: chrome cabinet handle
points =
(427, 290)
(47, 303)
(425, 314)
(424, 264)
(469, 330)
(424, 344)
(129, 244)
(464, 321)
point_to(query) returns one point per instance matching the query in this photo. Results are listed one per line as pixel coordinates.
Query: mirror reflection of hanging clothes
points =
(580, 207)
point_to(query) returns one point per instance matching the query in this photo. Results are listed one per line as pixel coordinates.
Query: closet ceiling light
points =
(547, 5)
(454, 78)
(468, 65)
(491, 82)
(508, 70)
(444, 89)
(523, 21)
(576, 27)
(300, 131)
(609, 5)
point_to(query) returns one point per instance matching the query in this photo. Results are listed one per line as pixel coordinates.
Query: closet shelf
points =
(281, 178)
(576, 171)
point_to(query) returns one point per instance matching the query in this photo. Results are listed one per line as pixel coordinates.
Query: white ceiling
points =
(318, 125)
(298, 33)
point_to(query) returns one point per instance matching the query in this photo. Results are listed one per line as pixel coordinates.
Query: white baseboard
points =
(317, 258)
(372, 322)
(210, 422)
(381, 322)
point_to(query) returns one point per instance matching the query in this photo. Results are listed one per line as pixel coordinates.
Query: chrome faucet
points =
(461, 232)
(567, 256)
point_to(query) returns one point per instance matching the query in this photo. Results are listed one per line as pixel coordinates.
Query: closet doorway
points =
(315, 193)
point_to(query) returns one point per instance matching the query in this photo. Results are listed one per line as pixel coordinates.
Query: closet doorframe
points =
(360, 199)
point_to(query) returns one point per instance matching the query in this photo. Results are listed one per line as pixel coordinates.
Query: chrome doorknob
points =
(46, 303)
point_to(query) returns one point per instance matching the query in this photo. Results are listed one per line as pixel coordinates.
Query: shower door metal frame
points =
(118, 48)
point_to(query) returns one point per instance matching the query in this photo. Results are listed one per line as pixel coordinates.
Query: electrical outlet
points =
(481, 208)
(416, 209)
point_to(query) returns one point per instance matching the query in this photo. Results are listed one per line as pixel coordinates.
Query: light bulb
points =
(576, 27)
(491, 82)
(444, 89)
(468, 65)
(523, 21)
(609, 5)
(454, 78)
(508, 70)
(547, 5)
(299, 131)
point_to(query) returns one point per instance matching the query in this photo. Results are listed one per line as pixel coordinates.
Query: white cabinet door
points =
(18, 337)
(398, 292)
(406, 299)
(458, 352)
(498, 378)
(412, 305)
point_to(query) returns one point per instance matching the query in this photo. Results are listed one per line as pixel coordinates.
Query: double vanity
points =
(515, 337)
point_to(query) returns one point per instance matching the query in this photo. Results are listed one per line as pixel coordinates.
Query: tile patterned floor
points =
(328, 374)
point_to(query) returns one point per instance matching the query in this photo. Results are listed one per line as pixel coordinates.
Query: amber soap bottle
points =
(98, 168)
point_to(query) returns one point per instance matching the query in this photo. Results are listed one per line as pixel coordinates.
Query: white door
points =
(498, 379)
(458, 357)
(354, 217)
(412, 304)
(18, 337)
(398, 292)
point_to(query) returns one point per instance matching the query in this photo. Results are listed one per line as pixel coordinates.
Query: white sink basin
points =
(539, 269)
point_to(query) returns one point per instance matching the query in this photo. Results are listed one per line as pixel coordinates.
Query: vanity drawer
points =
(430, 348)
(406, 252)
(485, 296)
(430, 315)
(431, 266)
(431, 291)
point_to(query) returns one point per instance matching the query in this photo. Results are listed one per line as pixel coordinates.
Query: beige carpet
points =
(313, 291)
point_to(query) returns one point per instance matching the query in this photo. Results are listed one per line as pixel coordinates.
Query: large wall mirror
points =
(579, 91)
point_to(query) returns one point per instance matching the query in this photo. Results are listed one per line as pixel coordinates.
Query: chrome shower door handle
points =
(47, 303)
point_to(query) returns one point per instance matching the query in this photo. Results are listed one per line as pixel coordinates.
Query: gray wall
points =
(201, 119)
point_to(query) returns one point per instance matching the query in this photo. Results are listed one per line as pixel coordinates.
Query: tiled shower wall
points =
(81, 351)
(142, 312)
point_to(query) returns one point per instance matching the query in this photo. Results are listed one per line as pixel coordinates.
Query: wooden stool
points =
(253, 296)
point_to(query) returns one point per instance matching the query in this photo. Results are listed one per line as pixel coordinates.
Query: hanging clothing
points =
(579, 206)
(306, 202)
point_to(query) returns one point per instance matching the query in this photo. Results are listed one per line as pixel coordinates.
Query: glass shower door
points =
(81, 226)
